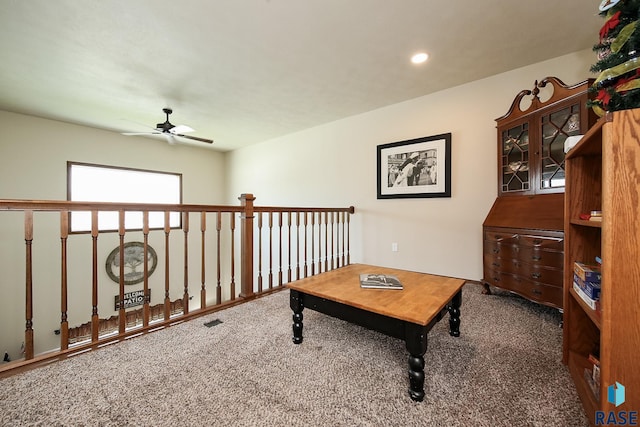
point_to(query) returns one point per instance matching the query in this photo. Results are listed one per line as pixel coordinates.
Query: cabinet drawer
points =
(535, 255)
(535, 291)
(542, 242)
(493, 263)
(541, 274)
(500, 249)
(535, 272)
(500, 236)
(550, 295)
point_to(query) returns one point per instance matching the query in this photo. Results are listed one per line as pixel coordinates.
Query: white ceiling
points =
(244, 71)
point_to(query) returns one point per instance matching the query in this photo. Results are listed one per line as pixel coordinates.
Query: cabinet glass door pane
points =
(555, 128)
(515, 159)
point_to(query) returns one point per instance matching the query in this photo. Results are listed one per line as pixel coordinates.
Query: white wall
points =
(335, 165)
(33, 165)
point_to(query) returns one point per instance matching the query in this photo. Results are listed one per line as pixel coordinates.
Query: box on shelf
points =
(592, 289)
(587, 272)
(593, 304)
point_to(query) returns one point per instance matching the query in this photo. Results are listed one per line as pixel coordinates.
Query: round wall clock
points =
(133, 263)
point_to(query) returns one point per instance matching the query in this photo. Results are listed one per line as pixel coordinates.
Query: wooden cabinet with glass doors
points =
(531, 141)
(531, 179)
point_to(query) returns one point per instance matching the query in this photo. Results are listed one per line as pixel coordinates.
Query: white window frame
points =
(88, 182)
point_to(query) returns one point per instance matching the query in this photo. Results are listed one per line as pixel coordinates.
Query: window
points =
(98, 183)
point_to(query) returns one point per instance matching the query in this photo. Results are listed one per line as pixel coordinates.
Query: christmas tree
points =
(617, 86)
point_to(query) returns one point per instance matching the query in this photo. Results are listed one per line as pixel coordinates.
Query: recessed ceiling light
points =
(419, 58)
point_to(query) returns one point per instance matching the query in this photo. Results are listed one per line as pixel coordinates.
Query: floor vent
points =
(213, 323)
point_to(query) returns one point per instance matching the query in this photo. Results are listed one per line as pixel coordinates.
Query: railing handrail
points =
(57, 205)
(284, 218)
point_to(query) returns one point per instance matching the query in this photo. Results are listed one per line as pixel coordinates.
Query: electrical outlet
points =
(394, 247)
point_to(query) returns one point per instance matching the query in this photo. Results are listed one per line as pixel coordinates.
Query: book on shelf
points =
(587, 272)
(595, 363)
(379, 281)
(592, 289)
(593, 304)
(595, 388)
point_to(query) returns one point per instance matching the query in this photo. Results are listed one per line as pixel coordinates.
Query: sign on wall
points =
(131, 299)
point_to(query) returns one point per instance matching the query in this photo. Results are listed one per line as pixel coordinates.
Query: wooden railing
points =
(275, 245)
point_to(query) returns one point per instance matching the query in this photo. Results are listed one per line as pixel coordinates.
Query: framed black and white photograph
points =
(418, 167)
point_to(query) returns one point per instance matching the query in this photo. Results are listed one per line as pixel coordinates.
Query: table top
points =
(423, 297)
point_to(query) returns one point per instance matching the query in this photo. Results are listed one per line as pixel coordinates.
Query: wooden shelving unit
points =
(603, 172)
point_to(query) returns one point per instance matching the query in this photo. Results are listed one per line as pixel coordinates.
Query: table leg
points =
(295, 302)
(454, 314)
(416, 341)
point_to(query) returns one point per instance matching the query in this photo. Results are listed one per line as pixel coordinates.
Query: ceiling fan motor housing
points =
(166, 126)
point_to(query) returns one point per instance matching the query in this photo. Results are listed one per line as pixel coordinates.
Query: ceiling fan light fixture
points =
(419, 58)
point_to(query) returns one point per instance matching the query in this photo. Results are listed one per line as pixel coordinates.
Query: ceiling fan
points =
(170, 131)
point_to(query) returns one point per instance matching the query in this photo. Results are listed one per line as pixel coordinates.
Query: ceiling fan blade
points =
(140, 133)
(195, 138)
(176, 130)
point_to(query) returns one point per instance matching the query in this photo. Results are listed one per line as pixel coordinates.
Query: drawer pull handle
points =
(537, 292)
(496, 279)
(496, 250)
(537, 242)
(495, 264)
(536, 257)
(536, 275)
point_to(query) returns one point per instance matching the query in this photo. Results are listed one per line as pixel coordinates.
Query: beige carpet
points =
(504, 370)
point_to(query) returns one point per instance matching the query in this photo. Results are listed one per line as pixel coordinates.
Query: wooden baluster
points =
(342, 219)
(313, 245)
(28, 238)
(146, 312)
(167, 300)
(326, 241)
(280, 248)
(64, 323)
(233, 258)
(305, 243)
(203, 291)
(260, 252)
(95, 320)
(218, 229)
(122, 316)
(297, 245)
(289, 250)
(348, 237)
(333, 256)
(320, 242)
(270, 250)
(185, 296)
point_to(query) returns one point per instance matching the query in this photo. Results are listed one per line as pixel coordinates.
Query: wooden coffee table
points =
(408, 314)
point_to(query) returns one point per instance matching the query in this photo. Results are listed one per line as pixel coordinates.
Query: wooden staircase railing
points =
(276, 245)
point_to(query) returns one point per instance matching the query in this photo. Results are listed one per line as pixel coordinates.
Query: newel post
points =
(246, 245)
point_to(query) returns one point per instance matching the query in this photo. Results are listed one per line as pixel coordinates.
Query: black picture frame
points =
(396, 171)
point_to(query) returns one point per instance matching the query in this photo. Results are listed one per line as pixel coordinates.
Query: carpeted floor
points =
(504, 370)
